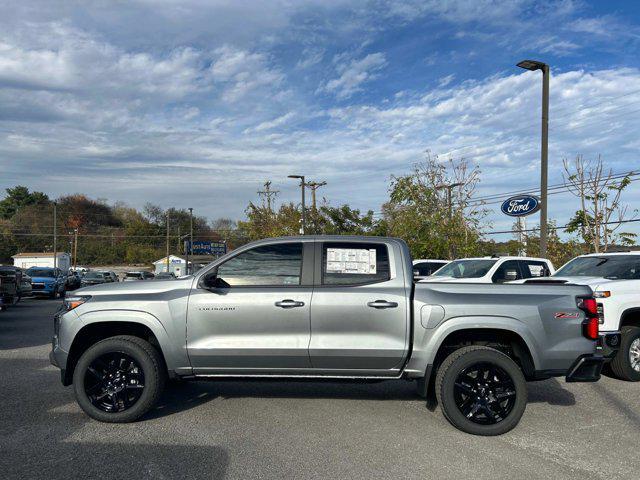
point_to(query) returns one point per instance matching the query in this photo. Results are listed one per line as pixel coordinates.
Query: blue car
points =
(45, 281)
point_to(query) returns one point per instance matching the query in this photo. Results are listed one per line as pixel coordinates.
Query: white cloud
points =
(354, 73)
(310, 57)
(243, 71)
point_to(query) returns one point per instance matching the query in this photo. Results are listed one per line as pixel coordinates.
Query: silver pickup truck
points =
(326, 307)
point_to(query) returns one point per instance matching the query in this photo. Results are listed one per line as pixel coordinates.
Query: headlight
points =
(74, 302)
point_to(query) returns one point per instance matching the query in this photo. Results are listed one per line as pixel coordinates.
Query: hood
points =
(124, 288)
(43, 279)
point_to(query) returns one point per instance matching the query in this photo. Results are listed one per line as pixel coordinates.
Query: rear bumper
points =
(608, 344)
(586, 368)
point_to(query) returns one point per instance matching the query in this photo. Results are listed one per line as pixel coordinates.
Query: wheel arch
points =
(100, 325)
(630, 317)
(505, 340)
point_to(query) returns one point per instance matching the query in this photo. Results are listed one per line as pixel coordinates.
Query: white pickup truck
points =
(495, 269)
(615, 281)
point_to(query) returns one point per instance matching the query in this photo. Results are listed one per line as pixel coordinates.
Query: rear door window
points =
(507, 272)
(534, 269)
(351, 263)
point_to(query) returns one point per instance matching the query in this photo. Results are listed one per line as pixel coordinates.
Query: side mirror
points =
(211, 280)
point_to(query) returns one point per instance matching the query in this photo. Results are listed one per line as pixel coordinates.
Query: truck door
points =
(254, 314)
(359, 311)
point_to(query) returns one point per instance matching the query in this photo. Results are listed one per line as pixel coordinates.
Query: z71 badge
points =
(566, 315)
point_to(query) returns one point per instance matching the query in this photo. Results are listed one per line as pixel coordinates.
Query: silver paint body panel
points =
(240, 331)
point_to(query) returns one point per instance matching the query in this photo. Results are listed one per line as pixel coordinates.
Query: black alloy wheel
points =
(481, 390)
(114, 382)
(484, 393)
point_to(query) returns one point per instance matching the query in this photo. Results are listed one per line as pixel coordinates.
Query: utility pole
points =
(55, 235)
(268, 193)
(75, 248)
(302, 185)
(544, 148)
(190, 248)
(167, 240)
(314, 186)
(449, 187)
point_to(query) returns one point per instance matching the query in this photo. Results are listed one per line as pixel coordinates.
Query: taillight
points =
(590, 306)
(591, 326)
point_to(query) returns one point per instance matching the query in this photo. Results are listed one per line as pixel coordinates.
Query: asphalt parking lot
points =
(301, 429)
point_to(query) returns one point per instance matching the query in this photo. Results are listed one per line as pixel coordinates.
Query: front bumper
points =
(57, 355)
(586, 368)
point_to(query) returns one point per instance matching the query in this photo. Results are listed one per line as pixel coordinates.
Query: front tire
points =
(119, 379)
(626, 363)
(481, 391)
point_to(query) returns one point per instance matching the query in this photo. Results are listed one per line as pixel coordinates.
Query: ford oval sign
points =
(521, 206)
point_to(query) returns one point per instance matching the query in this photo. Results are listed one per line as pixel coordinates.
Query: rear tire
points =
(481, 391)
(122, 402)
(625, 359)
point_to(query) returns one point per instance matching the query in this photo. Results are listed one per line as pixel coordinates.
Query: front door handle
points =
(382, 304)
(289, 304)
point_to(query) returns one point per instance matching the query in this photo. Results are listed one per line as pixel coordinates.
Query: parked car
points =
(9, 287)
(22, 284)
(47, 281)
(165, 276)
(326, 307)
(135, 276)
(96, 277)
(615, 281)
(492, 270)
(79, 270)
(73, 280)
(422, 268)
(113, 276)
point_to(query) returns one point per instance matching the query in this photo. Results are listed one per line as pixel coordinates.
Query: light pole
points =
(167, 240)
(544, 150)
(302, 185)
(55, 235)
(190, 249)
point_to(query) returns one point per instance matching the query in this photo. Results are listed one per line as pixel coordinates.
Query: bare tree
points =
(601, 212)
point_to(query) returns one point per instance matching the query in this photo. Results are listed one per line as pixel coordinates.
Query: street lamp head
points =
(532, 65)
(295, 176)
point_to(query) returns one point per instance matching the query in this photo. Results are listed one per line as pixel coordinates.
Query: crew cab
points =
(615, 281)
(494, 269)
(326, 307)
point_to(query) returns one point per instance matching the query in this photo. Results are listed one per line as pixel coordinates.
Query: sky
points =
(197, 103)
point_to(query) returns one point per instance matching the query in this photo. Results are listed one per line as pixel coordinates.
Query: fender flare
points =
(456, 324)
(173, 357)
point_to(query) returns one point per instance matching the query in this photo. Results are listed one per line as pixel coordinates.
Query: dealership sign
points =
(521, 205)
(206, 248)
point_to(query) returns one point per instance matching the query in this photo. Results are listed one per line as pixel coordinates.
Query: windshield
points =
(134, 275)
(466, 269)
(90, 275)
(40, 272)
(614, 267)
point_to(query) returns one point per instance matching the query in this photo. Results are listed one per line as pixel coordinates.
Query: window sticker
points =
(351, 260)
(536, 270)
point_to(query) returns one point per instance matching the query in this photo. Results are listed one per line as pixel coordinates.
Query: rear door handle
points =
(382, 304)
(289, 304)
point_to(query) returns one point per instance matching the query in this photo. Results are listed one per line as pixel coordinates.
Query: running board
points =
(290, 376)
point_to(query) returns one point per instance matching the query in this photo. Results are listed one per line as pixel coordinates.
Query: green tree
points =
(432, 209)
(18, 197)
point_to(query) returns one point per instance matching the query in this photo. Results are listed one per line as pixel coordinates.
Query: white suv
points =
(492, 270)
(615, 280)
